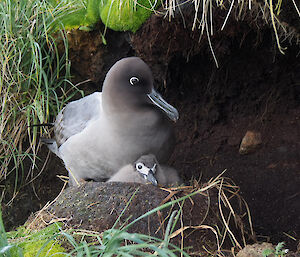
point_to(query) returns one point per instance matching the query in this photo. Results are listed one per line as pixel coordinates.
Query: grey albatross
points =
(147, 170)
(98, 134)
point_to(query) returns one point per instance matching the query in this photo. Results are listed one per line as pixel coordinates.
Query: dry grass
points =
(266, 10)
(228, 193)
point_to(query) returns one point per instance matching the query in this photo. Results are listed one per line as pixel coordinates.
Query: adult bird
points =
(100, 133)
(147, 170)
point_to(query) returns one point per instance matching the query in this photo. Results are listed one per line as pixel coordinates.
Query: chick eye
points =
(134, 80)
(139, 166)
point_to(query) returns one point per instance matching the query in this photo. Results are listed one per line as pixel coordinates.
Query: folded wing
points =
(76, 116)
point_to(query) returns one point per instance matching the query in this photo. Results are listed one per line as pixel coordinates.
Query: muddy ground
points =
(254, 88)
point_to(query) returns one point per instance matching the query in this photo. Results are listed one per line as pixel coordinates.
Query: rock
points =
(250, 142)
(255, 250)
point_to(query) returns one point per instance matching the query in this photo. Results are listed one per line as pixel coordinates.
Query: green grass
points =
(32, 243)
(112, 242)
(6, 249)
(117, 241)
(82, 13)
(33, 82)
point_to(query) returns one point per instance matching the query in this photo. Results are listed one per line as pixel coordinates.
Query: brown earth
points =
(255, 88)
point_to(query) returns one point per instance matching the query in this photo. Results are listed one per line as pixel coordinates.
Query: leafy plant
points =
(278, 252)
(6, 249)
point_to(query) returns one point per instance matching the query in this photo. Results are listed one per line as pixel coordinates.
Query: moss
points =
(31, 249)
(84, 18)
(75, 20)
(82, 14)
(92, 10)
(123, 15)
(41, 242)
(119, 15)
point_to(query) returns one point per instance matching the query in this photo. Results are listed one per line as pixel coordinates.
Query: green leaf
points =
(278, 247)
(267, 252)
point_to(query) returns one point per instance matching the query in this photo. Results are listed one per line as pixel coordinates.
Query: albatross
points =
(100, 133)
(147, 170)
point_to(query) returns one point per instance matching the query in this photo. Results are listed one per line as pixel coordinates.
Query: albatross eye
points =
(134, 80)
(139, 166)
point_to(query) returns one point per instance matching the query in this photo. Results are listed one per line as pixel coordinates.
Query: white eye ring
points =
(139, 166)
(134, 80)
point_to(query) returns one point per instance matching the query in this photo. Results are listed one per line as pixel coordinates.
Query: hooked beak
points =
(151, 178)
(157, 99)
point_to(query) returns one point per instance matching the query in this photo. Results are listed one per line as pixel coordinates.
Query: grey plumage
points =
(51, 144)
(100, 133)
(128, 174)
(163, 174)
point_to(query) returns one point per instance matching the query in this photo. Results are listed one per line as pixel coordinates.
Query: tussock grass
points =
(33, 81)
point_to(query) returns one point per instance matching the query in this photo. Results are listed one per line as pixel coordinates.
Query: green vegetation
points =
(29, 244)
(126, 15)
(82, 14)
(119, 15)
(118, 242)
(278, 252)
(33, 82)
(56, 241)
(115, 242)
(42, 243)
(112, 242)
(6, 248)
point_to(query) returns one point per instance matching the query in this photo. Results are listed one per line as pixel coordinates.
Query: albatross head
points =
(146, 166)
(129, 86)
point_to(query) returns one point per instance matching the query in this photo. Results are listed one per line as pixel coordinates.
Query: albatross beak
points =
(151, 178)
(157, 99)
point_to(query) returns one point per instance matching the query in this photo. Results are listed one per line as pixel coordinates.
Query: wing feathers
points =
(75, 117)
